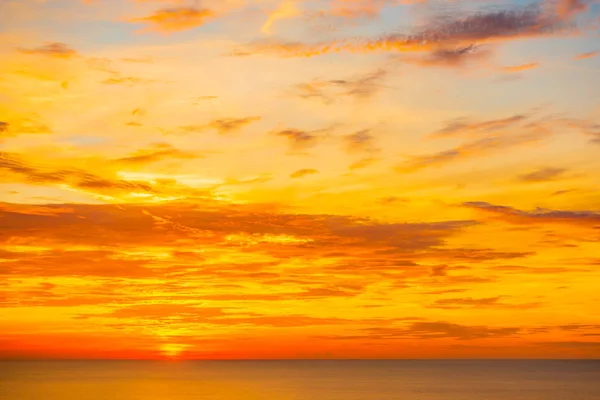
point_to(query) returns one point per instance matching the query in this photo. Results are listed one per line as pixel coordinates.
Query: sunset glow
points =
(266, 179)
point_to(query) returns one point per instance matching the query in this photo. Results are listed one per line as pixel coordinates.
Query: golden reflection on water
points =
(300, 380)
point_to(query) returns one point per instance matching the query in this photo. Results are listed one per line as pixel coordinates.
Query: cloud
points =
(3, 127)
(142, 60)
(91, 263)
(303, 172)
(251, 180)
(167, 311)
(175, 19)
(359, 87)
(457, 57)
(473, 255)
(179, 313)
(538, 216)
(228, 125)
(587, 55)
(466, 127)
(363, 86)
(579, 327)
(564, 191)
(30, 125)
(567, 9)
(359, 141)
(32, 173)
(126, 80)
(516, 269)
(587, 347)
(174, 227)
(473, 149)
(543, 175)
(520, 67)
(315, 89)
(589, 128)
(298, 139)
(284, 321)
(357, 9)
(223, 126)
(469, 303)
(157, 152)
(428, 330)
(286, 9)
(445, 291)
(445, 32)
(52, 49)
(362, 163)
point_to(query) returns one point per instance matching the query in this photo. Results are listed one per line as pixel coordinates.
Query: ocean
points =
(301, 380)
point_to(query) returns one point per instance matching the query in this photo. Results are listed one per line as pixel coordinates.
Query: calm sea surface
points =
(300, 380)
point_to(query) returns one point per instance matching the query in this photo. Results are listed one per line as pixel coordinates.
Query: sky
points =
(259, 179)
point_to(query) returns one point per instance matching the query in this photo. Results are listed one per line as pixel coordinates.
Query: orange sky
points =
(299, 179)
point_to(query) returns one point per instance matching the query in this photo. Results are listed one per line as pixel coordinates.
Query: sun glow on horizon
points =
(173, 350)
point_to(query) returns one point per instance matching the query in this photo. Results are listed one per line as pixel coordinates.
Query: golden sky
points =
(299, 179)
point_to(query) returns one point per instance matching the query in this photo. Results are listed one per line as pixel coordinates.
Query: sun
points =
(172, 350)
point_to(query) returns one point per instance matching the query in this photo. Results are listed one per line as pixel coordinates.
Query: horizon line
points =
(292, 359)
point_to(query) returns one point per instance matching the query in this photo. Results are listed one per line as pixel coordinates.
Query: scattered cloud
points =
(52, 49)
(538, 216)
(304, 172)
(468, 302)
(584, 56)
(445, 32)
(125, 245)
(455, 57)
(285, 10)
(155, 153)
(543, 175)
(478, 148)
(359, 141)
(466, 127)
(126, 80)
(298, 139)
(228, 125)
(362, 163)
(567, 9)
(363, 86)
(358, 87)
(520, 67)
(12, 164)
(428, 330)
(223, 126)
(175, 19)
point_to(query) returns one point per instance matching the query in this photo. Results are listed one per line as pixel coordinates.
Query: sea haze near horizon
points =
(302, 380)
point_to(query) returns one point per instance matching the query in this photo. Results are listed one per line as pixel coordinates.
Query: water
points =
(300, 380)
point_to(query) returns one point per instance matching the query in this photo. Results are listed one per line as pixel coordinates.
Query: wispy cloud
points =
(52, 49)
(543, 175)
(520, 67)
(467, 127)
(304, 172)
(155, 153)
(584, 56)
(228, 125)
(285, 10)
(458, 30)
(360, 87)
(488, 302)
(455, 57)
(473, 149)
(175, 19)
(298, 139)
(539, 216)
